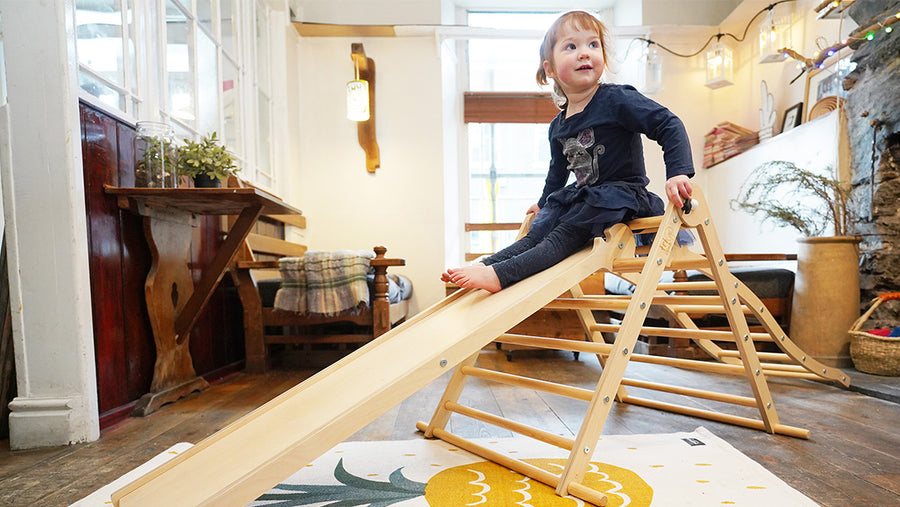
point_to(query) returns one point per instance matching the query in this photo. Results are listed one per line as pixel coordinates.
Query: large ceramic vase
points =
(826, 297)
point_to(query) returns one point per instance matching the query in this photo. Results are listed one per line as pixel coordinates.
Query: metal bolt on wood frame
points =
(244, 460)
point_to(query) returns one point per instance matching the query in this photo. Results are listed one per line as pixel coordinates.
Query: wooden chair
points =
(254, 271)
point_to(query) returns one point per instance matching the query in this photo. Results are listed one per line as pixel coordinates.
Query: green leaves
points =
(788, 195)
(208, 157)
(353, 491)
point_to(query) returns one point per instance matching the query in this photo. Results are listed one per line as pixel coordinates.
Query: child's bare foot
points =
(477, 276)
(447, 276)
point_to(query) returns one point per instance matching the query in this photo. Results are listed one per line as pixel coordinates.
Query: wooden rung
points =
(791, 374)
(772, 367)
(645, 224)
(718, 416)
(637, 264)
(621, 304)
(687, 300)
(688, 391)
(530, 383)
(629, 265)
(507, 424)
(690, 364)
(575, 489)
(605, 348)
(657, 300)
(555, 343)
(672, 332)
(600, 303)
(770, 370)
(705, 309)
(687, 286)
(763, 356)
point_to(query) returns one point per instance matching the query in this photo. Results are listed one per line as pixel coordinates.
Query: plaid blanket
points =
(324, 283)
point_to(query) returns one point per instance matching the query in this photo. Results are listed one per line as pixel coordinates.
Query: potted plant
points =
(206, 161)
(826, 290)
(807, 201)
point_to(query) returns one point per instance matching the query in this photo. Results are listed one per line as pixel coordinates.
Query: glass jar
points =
(154, 155)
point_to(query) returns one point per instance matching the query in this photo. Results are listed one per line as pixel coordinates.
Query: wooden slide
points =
(248, 457)
(252, 455)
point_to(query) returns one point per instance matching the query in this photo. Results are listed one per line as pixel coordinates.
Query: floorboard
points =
(851, 458)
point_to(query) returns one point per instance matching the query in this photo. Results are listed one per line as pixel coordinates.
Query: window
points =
(105, 34)
(201, 65)
(231, 77)
(178, 96)
(264, 98)
(507, 115)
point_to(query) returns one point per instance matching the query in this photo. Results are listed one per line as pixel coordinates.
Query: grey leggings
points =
(537, 251)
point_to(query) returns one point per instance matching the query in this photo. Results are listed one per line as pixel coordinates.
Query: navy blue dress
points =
(602, 146)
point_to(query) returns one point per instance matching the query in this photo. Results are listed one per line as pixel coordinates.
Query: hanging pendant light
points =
(719, 65)
(775, 34)
(357, 98)
(653, 82)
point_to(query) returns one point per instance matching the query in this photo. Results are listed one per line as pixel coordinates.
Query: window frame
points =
(148, 96)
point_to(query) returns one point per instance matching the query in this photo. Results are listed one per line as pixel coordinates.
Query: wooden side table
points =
(173, 302)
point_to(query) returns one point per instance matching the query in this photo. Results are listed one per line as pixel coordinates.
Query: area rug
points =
(675, 469)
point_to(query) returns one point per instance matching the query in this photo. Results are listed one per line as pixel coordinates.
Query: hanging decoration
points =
(719, 65)
(830, 9)
(775, 34)
(859, 37)
(653, 82)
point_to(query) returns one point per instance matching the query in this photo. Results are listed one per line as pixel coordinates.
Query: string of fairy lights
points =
(805, 64)
(859, 36)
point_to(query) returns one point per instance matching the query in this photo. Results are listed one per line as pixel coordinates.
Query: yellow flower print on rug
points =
(685, 469)
(488, 484)
(484, 483)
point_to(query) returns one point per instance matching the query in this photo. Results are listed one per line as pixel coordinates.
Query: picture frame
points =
(793, 116)
(826, 80)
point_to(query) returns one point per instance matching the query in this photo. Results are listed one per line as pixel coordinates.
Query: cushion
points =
(399, 288)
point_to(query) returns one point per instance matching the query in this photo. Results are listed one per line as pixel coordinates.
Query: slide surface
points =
(247, 458)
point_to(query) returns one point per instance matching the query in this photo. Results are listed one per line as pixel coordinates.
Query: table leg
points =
(168, 287)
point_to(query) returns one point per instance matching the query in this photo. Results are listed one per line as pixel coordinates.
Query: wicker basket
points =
(879, 355)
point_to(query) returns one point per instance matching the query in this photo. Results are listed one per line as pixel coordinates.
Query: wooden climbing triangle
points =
(244, 460)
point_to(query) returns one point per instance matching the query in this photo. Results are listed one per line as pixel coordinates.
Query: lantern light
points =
(719, 65)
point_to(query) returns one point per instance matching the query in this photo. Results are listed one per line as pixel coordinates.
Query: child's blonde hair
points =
(579, 20)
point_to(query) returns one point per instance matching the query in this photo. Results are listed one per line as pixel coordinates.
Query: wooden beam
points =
(333, 30)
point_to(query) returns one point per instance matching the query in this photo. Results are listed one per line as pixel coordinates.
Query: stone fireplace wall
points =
(873, 125)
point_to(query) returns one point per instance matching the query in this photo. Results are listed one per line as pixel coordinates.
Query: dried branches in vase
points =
(791, 196)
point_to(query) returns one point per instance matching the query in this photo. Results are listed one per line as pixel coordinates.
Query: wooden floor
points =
(852, 458)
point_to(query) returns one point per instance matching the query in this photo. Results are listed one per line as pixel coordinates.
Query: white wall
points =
(44, 213)
(702, 108)
(744, 233)
(400, 206)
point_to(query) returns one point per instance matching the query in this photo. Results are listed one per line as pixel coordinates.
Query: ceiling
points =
(635, 12)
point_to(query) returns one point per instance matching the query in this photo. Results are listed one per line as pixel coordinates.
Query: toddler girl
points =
(596, 136)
